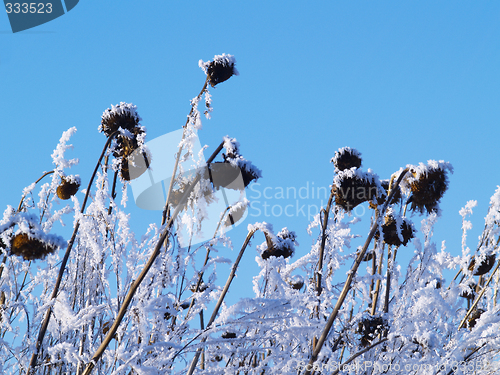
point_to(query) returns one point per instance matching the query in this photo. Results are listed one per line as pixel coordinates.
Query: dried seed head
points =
(473, 317)
(427, 184)
(30, 248)
(297, 282)
(353, 187)
(123, 115)
(134, 165)
(391, 236)
(484, 266)
(368, 256)
(370, 328)
(469, 290)
(220, 69)
(283, 245)
(69, 186)
(346, 158)
(228, 335)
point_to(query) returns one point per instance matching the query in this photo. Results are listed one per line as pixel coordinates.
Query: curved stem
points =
(45, 323)
(36, 182)
(177, 158)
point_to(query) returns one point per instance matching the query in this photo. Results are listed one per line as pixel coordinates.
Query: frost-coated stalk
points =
(350, 277)
(221, 299)
(45, 324)
(177, 158)
(36, 182)
(479, 296)
(390, 261)
(135, 284)
(377, 284)
(319, 272)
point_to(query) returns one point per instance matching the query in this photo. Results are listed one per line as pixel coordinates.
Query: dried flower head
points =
(123, 115)
(485, 265)
(68, 187)
(283, 245)
(353, 187)
(346, 158)
(226, 174)
(370, 327)
(474, 317)
(427, 184)
(220, 69)
(228, 335)
(391, 234)
(297, 282)
(468, 290)
(30, 248)
(134, 165)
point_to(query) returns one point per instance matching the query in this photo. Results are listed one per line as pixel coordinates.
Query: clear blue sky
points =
(401, 81)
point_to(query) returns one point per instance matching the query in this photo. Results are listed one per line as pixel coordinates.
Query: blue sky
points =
(402, 82)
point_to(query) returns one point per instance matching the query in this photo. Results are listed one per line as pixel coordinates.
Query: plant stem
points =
(319, 272)
(169, 193)
(462, 323)
(45, 323)
(221, 298)
(135, 284)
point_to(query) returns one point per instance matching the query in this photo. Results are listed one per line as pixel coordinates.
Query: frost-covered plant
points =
(116, 303)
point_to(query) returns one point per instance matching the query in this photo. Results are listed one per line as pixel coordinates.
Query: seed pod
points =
(69, 186)
(351, 187)
(220, 69)
(484, 267)
(134, 165)
(123, 115)
(228, 335)
(368, 256)
(390, 231)
(284, 246)
(30, 248)
(473, 317)
(346, 158)
(470, 292)
(297, 282)
(428, 185)
(370, 328)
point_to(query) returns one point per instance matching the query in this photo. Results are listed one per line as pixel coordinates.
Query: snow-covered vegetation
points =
(110, 301)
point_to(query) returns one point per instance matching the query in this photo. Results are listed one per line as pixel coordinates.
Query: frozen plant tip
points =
(346, 158)
(68, 187)
(220, 69)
